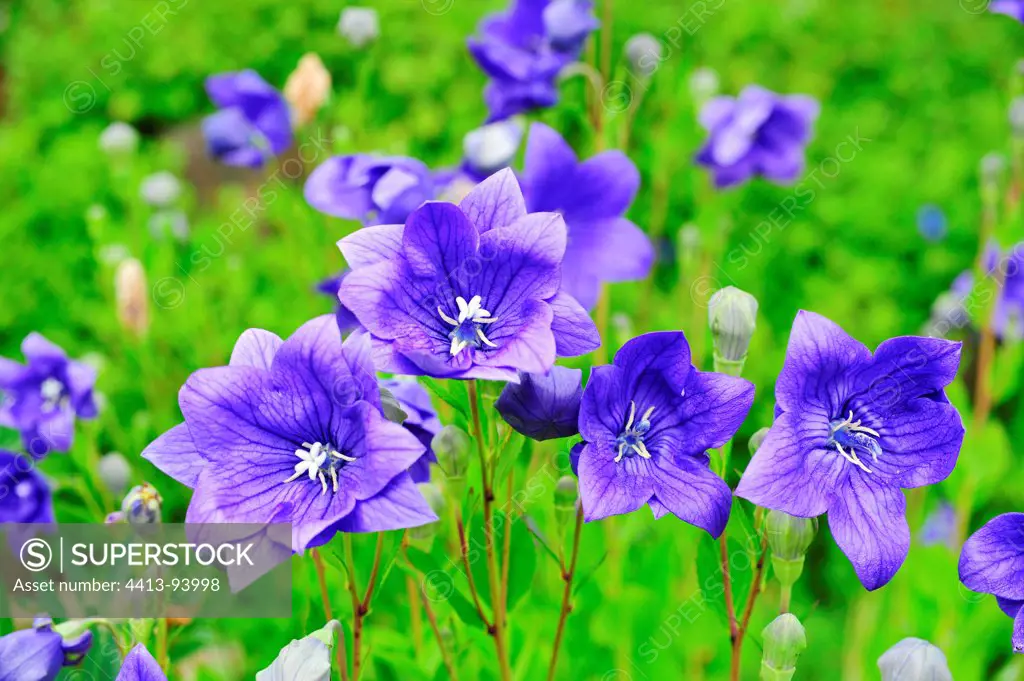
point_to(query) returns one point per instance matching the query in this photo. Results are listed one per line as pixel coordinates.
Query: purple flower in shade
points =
(851, 429)
(373, 189)
(757, 133)
(992, 562)
(523, 50)
(24, 494)
(1008, 316)
(467, 291)
(1011, 8)
(253, 123)
(592, 196)
(293, 432)
(421, 420)
(139, 665)
(543, 406)
(346, 320)
(43, 397)
(648, 420)
(39, 653)
(940, 526)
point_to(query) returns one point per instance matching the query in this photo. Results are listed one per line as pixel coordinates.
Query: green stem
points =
(785, 596)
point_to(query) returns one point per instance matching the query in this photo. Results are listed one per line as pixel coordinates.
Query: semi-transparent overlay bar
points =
(144, 571)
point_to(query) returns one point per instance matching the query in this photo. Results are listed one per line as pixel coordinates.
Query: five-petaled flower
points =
(293, 432)
(42, 398)
(648, 420)
(992, 562)
(592, 196)
(757, 133)
(253, 123)
(467, 291)
(851, 430)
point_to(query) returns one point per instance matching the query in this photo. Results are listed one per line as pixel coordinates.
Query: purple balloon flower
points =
(329, 287)
(253, 123)
(421, 420)
(467, 291)
(24, 495)
(373, 189)
(852, 429)
(757, 133)
(648, 420)
(523, 50)
(992, 562)
(139, 665)
(293, 431)
(543, 406)
(592, 197)
(43, 397)
(1011, 8)
(1008, 316)
(39, 653)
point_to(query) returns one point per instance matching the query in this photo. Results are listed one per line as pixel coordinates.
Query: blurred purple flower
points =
(523, 50)
(24, 495)
(1008, 317)
(543, 406)
(592, 196)
(39, 653)
(852, 429)
(992, 562)
(467, 291)
(1011, 8)
(373, 189)
(139, 665)
(931, 222)
(757, 133)
(648, 420)
(43, 397)
(421, 420)
(253, 124)
(346, 320)
(293, 431)
(940, 526)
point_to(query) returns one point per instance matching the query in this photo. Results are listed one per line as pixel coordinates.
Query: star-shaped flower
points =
(467, 291)
(648, 420)
(852, 429)
(293, 431)
(592, 196)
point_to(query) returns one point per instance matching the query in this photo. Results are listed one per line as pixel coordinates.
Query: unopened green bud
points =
(566, 496)
(789, 538)
(756, 439)
(732, 315)
(784, 641)
(435, 499)
(644, 53)
(452, 446)
(914, 659)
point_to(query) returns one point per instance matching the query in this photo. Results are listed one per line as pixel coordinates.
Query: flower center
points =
(53, 393)
(847, 436)
(630, 441)
(469, 329)
(319, 461)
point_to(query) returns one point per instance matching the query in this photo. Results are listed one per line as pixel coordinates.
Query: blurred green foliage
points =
(922, 88)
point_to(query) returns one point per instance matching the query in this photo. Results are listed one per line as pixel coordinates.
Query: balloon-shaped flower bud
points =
(914, 659)
(142, 505)
(307, 88)
(566, 498)
(789, 538)
(784, 641)
(492, 147)
(359, 25)
(114, 472)
(160, 190)
(308, 658)
(132, 295)
(754, 443)
(119, 139)
(644, 53)
(452, 446)
(732, 315)
(704, 84)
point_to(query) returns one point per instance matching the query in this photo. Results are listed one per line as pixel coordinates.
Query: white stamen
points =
(647, 414)
(485, 339)
(453, 322)
(632, 414)
(622, 452)
(852, 457)
(472, 312)
(311, 460)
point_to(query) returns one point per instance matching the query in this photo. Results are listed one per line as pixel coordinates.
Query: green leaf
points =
(1006, 374)
(453, 393)
(522, 561)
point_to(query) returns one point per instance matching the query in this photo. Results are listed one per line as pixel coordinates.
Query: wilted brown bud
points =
(307, 88)
(132, 296)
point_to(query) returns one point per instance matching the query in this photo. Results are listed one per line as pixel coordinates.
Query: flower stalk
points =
(339, 651)
(568, 574)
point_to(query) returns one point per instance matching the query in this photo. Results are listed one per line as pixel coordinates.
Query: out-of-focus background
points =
(913, 95)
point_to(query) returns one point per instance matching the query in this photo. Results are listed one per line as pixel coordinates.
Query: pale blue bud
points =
(114, 471)
(784, 642)
(492, 147)
(914, 659)
(359, 25)
(119, 139)
(732, 315)
(308, 659)
(160, 189)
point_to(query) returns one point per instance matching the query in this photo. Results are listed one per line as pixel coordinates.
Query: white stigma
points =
(311, 461)
(51, 390)
(473, 313)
